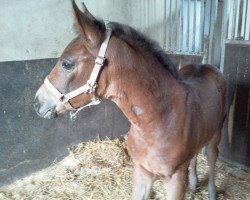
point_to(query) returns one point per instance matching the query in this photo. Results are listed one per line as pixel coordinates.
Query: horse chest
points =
(149, 157)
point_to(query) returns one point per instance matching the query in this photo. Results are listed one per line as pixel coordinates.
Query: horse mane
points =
(137, 39)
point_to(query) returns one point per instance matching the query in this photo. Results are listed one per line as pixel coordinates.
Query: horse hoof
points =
(212, 193)
(212, 197)
(193, 183)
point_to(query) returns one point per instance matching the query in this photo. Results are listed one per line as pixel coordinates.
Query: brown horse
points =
(172, 114)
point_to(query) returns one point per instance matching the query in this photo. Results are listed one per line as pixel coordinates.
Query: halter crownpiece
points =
(89, 87)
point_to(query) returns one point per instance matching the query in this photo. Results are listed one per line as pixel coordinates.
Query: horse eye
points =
(67, 65)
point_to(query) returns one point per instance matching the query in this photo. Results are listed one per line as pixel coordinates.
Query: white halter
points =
(89, 87)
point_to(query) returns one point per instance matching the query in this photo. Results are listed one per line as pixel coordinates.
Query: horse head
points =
(72, 83)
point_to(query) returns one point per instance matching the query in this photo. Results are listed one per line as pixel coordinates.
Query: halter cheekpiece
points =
(89, 87)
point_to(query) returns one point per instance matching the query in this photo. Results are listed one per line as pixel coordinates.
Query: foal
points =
(172, 114)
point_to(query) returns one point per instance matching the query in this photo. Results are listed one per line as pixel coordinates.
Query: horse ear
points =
(85, 23)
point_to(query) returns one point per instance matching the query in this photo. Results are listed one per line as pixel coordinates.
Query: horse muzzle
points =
(44, 110)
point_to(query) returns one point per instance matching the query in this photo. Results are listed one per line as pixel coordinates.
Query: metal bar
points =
(249, 33)
(245, 25)
(213, 19)
(165, 25)
(182, 28)
(188, 25)
(148, 14)
(146, 19)
(176, 25)
(144, 15)
(194, 25)
(200, 46)
(240, 19)
(234, 18)
(226, 20)
(224, 33)
(207, 17)
(170, 27)
(179, 26)
(207, 28)
(154, 9)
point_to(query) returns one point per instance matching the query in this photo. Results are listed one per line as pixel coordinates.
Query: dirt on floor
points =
(101, 170)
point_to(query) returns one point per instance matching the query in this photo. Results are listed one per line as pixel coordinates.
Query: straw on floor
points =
(101, 170)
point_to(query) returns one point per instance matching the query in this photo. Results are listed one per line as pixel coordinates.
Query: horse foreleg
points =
(142, 183)
(176, 185)
(212, 154)
(193, 174)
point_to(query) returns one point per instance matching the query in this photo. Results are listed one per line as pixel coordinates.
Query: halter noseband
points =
(89, 87)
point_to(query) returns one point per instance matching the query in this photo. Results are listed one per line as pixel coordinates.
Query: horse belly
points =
(161, 162)
(155, 165)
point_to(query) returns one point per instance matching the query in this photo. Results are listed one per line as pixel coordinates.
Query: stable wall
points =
(41, 29)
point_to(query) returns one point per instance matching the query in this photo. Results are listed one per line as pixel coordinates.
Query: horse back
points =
(206, 87)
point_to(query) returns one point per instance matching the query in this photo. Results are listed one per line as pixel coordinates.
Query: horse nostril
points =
(36, 104)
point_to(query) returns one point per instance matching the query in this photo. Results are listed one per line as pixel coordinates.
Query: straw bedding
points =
(101, 170)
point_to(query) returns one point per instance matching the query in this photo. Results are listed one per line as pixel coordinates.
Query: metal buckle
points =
(92, 88)
(94, 101)
(64, 99)
(100, 60)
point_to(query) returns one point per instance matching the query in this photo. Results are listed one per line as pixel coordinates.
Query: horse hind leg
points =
(142, 183)
(212, 154)
(193, 174)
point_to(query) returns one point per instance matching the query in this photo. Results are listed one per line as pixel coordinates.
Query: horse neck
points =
(142, 89)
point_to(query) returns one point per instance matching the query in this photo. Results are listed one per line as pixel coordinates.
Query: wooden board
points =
(235, 144)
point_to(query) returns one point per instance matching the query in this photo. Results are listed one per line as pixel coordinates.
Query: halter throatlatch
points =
(89, 87)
